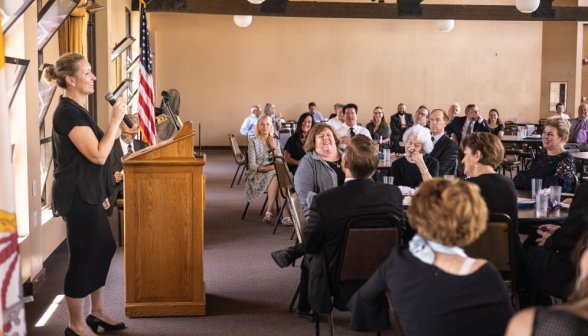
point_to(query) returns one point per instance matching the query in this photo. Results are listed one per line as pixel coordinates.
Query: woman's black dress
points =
(296, 149)
(79, 189)
(554, 170)
(498, 128)
(408, 174)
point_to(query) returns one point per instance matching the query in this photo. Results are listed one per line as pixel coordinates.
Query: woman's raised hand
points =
(271, 141)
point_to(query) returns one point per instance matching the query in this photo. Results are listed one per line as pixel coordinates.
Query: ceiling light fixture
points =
(527, 6)
(257, 2)
(445, 25)
(242, 20)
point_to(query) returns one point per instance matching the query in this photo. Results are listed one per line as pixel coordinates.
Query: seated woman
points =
(320, 169)
(554, 167)
(495, 123)
(294, 149)
(570, 319)
(416, 166)
(261, 172)
(378, 127)
(435, 288)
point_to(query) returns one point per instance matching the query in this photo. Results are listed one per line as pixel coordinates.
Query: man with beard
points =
(399, 122)
(350, 128)
(122, 146)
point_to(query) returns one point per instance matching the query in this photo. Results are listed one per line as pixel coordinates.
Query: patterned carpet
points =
(247, 293)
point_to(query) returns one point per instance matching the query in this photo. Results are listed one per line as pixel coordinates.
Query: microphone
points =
(110, 98)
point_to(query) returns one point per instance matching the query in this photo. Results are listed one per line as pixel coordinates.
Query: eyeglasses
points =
(419, 114)
(132, 134)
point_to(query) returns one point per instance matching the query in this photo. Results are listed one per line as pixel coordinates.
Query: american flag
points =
(146, 111)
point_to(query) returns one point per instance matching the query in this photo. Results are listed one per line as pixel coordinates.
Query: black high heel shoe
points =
(94, 322)
(69, 332)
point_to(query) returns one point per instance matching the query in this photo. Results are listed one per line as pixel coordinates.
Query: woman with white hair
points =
(416, 166)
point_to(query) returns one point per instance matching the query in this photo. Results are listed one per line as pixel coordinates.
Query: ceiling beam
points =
(375, 11)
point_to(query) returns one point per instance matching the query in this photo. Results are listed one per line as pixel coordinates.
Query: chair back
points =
(496, 245)
(530, 128)
(571, 145)
(282, 174)
(510, 131)
(381, 233)
(235, 148)
(284, 135)
(296, 212)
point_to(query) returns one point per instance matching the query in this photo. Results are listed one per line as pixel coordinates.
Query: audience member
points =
(559, 109)
(339, 119)
(444, 150)
(399, 122)
(549, 263)
(416, 166)
(294, 149)
(318, 117)
(570, 319)
(472, 122)
(421, 118)
(436, 289)
(270, 111)
(452, 113)
(379, 127)
(320, 169)
(578, 129)
(350, 128)
(126, 144)
(323, 236)
(250, 123)
(495, 123)
(261, 172)
(555, 166)
(336, 110)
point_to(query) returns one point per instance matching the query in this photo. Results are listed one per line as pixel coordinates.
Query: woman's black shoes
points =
(94, 322)
(69, 332)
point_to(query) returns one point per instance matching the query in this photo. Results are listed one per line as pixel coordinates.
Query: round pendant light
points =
(242, 20)
(527, 6)
(445, 25)
(257, 2)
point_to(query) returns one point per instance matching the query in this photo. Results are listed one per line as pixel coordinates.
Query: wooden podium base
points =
(158, 309)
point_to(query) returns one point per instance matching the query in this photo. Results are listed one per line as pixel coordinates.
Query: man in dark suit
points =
(445, 150)
(462, 126)
(399, 122)
(330, 212)
(472, 122)
(123, 145)
(549, 264)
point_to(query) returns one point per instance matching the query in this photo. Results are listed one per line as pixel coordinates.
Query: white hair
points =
(423, 136)
(254, 107)
(456, 104)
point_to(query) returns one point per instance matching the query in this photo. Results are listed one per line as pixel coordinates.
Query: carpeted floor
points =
(246, 292)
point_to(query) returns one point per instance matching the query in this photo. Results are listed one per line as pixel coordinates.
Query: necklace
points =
(338, 163)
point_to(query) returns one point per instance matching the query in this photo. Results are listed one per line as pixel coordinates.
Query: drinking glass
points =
(448, 177)
(554, 197)
(389, 179)
(541, 204)
(536, 185)
(386, 154)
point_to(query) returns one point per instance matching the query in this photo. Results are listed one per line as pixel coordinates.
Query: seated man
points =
(421, 117)
(248, 127)
(445, 150)
(350, 128)
(398, 123)
(123, 145)
(549, 262)
(330, 212)
(579, 129)
(339, 119)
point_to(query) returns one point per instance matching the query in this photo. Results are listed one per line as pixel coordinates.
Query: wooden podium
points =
(164, 216)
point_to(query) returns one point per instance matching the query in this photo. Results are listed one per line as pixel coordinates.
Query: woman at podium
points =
(80, 192)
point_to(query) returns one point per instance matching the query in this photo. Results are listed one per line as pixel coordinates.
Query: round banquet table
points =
(529, 219)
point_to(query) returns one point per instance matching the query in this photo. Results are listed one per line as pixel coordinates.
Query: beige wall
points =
(221, 70)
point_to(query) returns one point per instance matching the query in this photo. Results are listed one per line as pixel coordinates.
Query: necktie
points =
(352, 132)
(469, 130)
(130, 149)
(433, 140)
(575, 131)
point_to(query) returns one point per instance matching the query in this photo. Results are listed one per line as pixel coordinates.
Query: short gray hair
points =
(267, 108)
(254, 107)
(456, 104)
(423, 136)
(133, 118)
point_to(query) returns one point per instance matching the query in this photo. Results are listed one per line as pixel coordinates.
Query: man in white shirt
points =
(559, 108)
(339, 120)
(248, 127)
(122, 146)
(350, 128)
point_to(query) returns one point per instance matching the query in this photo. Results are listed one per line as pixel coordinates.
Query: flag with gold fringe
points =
(12, 318)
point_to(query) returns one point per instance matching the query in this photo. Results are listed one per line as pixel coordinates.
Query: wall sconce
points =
(445, 25)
